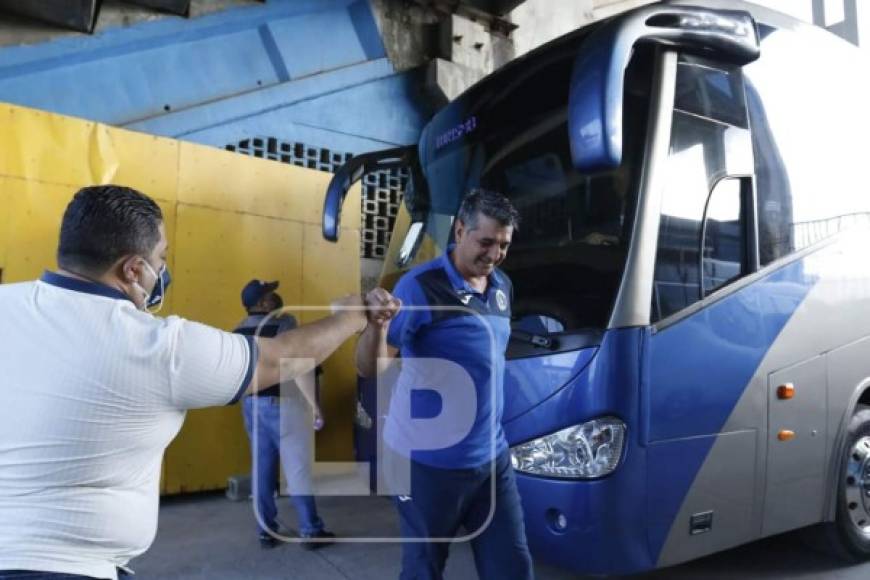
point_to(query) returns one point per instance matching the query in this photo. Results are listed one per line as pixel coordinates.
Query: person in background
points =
(279, 420)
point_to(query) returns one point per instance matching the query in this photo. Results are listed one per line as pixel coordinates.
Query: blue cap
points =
(255, 290)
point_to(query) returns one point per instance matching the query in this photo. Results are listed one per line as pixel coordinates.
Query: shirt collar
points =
(85, 286)
(460, 284)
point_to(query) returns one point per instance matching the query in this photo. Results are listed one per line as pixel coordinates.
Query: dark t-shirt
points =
(268, 327)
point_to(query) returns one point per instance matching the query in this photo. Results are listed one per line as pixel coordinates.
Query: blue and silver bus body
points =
(699, 399)
(733, 351)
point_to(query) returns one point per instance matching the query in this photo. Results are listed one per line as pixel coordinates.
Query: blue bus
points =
(690, 363)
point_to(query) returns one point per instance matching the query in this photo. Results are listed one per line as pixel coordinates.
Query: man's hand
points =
(381, 307)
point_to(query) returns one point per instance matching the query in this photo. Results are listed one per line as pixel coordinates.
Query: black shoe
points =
(317, 540)
(268, 541)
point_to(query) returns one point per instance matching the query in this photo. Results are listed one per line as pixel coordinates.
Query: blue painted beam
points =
(165, 31)
(368, 101)
(240, 107)
(149, 69)
(304, 71)
(380, 116)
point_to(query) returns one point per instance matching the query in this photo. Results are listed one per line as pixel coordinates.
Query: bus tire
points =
(849, 534)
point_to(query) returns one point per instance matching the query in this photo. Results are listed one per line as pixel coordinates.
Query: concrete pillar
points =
(846, 28)
(456, 47)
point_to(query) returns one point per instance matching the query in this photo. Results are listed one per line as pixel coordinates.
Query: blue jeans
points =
(444, 500)
(265, 455)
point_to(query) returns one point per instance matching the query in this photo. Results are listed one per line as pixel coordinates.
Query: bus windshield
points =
(510, 134)
(569, 252)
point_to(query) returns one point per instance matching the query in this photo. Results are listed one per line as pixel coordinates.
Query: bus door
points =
(703, 404)
(692, 257)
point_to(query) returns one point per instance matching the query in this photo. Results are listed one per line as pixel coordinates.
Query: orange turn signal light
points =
(785, 391)
(785, 435)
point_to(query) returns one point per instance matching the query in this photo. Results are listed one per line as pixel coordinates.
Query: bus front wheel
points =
(850, 532)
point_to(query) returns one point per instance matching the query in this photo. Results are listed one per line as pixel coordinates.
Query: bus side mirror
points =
(353, 171)
(598, 78)
(411, 243)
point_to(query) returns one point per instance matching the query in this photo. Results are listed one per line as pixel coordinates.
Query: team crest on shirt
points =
(501, 300)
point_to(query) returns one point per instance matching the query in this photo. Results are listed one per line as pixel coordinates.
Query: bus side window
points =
(809, 133)
(709, 105)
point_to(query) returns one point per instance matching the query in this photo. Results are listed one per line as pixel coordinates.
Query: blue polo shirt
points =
(444, 318)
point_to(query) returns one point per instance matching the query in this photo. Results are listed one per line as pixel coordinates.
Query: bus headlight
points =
(584, 451)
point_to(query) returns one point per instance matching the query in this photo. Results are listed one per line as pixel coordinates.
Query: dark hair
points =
(489, 203)
(103, 223)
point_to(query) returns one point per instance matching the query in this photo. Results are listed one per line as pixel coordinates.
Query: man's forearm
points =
(371, 346)
(294, 350)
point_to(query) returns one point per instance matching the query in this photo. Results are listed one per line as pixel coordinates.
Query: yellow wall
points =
(229, 218)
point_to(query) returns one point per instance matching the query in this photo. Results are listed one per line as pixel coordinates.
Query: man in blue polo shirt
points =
(446, 409)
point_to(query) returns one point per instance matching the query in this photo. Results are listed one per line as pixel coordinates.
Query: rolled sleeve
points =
(249, 374)
(209, 367)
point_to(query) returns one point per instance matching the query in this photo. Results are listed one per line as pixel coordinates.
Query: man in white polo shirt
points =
(93, 388)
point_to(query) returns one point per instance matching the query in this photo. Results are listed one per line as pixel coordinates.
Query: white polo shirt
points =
(91, 392)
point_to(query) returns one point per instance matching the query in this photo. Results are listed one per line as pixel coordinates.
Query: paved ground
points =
(209, 537)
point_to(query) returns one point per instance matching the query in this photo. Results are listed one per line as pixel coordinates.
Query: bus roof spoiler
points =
(353, 171)
(598, 79)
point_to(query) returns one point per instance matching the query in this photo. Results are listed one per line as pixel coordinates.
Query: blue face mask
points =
(155, 299)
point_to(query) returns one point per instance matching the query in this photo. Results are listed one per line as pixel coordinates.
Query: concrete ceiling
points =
(494, 7)
(492, 12)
